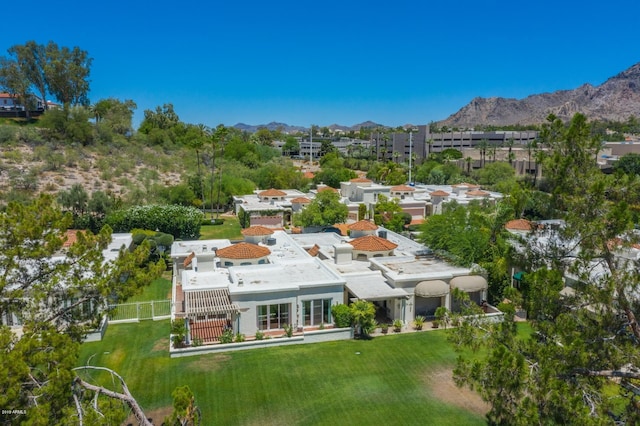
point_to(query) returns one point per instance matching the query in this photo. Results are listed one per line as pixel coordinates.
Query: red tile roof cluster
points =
(519, 225)
(363, 225)
(256, 230)
(272, 193)
(439, 193)
(372, 243)
(243, 251)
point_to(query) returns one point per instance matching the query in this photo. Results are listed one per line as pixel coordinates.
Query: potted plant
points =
(442, 316)
(384, 328)
(435, 324)
(418, 322)
(397, 326)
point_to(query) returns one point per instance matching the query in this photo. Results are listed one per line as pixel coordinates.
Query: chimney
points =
(343, 253)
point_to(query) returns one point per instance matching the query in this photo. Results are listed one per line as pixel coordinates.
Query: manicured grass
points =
(386, 380)
(230, 229)
(159, 289)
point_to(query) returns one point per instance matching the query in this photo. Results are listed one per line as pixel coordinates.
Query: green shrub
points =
(178, 332)
(341, 315)
(180, 221)
(288, 330)
(227, 336)
(239, 338)
(259, 335)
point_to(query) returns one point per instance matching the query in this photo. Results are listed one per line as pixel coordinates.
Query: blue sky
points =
(345, 62)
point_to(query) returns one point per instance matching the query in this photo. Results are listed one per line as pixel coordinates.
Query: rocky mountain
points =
(616, 99)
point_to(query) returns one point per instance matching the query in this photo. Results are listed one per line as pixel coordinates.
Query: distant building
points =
(423, 142)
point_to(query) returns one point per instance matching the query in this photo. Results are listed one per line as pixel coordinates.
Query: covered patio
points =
(475, 285)
(209, 313)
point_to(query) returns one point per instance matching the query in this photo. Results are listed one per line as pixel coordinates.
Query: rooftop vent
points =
(382, 234)
(271, 241)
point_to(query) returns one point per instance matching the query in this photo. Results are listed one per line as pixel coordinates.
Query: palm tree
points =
(468, 160)
(482, 146)
(510, 146)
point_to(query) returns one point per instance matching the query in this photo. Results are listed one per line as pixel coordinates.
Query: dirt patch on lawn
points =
(161, 345)
(209, 362)
(156, 416)
(444, 389)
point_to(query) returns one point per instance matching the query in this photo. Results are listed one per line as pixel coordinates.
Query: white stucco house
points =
(275, 279)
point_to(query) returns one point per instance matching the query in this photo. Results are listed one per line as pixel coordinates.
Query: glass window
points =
(271, 317)
(316, 312)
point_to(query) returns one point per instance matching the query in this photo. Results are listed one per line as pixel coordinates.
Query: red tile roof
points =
(360, 180)
(402, 188)
(477, 193)
(301, 200)
(70, 237)
(272, 193)
(327, 188)
(256, 230)
(363, 225)
(309, 175)
(243, 251)
(372, 243)
(468, 185)
(439, 193)
(519, 225)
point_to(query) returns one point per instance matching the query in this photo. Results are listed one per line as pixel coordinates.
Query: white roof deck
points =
(405, 268)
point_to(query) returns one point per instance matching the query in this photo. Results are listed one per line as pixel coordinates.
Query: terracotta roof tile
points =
(256, 230)
(188, 259)
(363, 225)
(519, 225)
(417, 221)
(372, 243)
(402, 188)
(360, 180)
(309, 175)
(272, 193)
(439, 193)
(301, 200)
(243, 251)
(313, 251)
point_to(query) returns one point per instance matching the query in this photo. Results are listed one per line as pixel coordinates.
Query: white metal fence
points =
(134, 312)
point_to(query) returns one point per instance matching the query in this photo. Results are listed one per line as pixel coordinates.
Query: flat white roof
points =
(192, 280)
(184, 248)
(281, 277)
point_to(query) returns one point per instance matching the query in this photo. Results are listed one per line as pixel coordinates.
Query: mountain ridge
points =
(614, 100)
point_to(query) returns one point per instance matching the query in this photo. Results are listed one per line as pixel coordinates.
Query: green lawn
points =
(230, 229)
(159, 289)
(386, 380)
